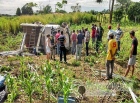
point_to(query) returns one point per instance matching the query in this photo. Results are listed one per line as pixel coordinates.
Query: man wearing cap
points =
(112, 49)
(110, 32)
(133, 53)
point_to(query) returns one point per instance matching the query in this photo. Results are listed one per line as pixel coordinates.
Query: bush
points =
(76, 63)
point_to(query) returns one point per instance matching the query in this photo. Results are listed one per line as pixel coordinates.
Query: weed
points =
(76, 63)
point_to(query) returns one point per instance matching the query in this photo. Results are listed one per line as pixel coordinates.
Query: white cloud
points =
(10, 6)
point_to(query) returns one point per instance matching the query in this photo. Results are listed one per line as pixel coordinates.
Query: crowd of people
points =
(83, 37)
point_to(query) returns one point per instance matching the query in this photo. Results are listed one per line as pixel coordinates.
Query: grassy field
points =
(12, 24)
(36, 81)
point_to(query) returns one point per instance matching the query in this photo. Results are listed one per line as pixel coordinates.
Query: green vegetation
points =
(12, 24)
(35, 80)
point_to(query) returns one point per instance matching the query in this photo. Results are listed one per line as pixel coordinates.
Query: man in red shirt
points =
(57, 42)
(73, 40)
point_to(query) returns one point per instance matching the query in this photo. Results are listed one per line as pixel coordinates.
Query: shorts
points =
(132, 60)
(48, 50)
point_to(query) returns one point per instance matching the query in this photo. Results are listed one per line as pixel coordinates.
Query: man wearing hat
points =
(110, 32)
(133, 53)
(111, 52)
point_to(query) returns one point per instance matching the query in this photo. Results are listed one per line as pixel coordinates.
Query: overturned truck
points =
(35, 36)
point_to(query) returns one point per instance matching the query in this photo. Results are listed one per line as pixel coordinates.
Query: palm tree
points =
(64, 2)
(76, 8)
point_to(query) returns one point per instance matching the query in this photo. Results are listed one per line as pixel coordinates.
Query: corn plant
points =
(66, 88)
(12, 86)
(47, 69)
(29, 85)
(10, 82)
(22, 67)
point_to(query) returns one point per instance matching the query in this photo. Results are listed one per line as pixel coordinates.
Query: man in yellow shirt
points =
(112, 50)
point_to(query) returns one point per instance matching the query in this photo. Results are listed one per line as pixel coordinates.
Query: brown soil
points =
(84, 72)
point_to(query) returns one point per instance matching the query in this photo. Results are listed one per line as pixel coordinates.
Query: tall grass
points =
(12, 24)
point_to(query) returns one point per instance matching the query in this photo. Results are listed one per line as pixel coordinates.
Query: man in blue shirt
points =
(80, 41)
(62, 41)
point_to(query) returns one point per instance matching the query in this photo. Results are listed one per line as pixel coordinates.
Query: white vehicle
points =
(36, 35)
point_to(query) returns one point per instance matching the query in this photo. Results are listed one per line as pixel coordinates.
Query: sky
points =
(10, 6)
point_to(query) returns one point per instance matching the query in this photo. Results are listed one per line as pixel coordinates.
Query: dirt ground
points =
(89, 75)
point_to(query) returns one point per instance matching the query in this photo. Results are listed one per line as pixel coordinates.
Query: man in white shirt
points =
(118, 35)
(110, 32)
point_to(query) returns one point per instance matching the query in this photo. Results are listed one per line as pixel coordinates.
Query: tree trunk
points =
(109, 5)
(111, 11)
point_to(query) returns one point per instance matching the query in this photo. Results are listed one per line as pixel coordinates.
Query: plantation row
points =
(40, 85)
(12, 24)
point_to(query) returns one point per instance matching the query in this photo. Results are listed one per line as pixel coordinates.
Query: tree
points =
(134, 11)
(76, 8)
(63, 3)
(93, 12)
(27, 8)
(61, 11)
(118, 15)
(60, 5)
(124, 5)
(47, 9)
(111, 11)
(99, 1)
(111, 5)
(18, 12)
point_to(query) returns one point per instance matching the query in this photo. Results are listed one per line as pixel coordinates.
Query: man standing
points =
(101, 32)
(57, 42)
(118, 35)
(110, 32)
(87, 38)
(93, 36)
(73, 40)
(112, 49)
(80, 41)
(62, 41)
(83, 31)
(133, 53)
(53, 47)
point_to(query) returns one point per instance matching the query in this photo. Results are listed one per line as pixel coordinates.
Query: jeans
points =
(109, 68)
(73, 49)
(118, 42)
(58, 48)
(97, 45)
(100, 38)
(78, 51)
(62, 51)
(87, 48)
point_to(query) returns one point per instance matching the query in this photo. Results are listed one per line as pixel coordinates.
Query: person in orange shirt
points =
(112, 50)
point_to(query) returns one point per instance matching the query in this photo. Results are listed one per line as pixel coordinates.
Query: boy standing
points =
(112, 49)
